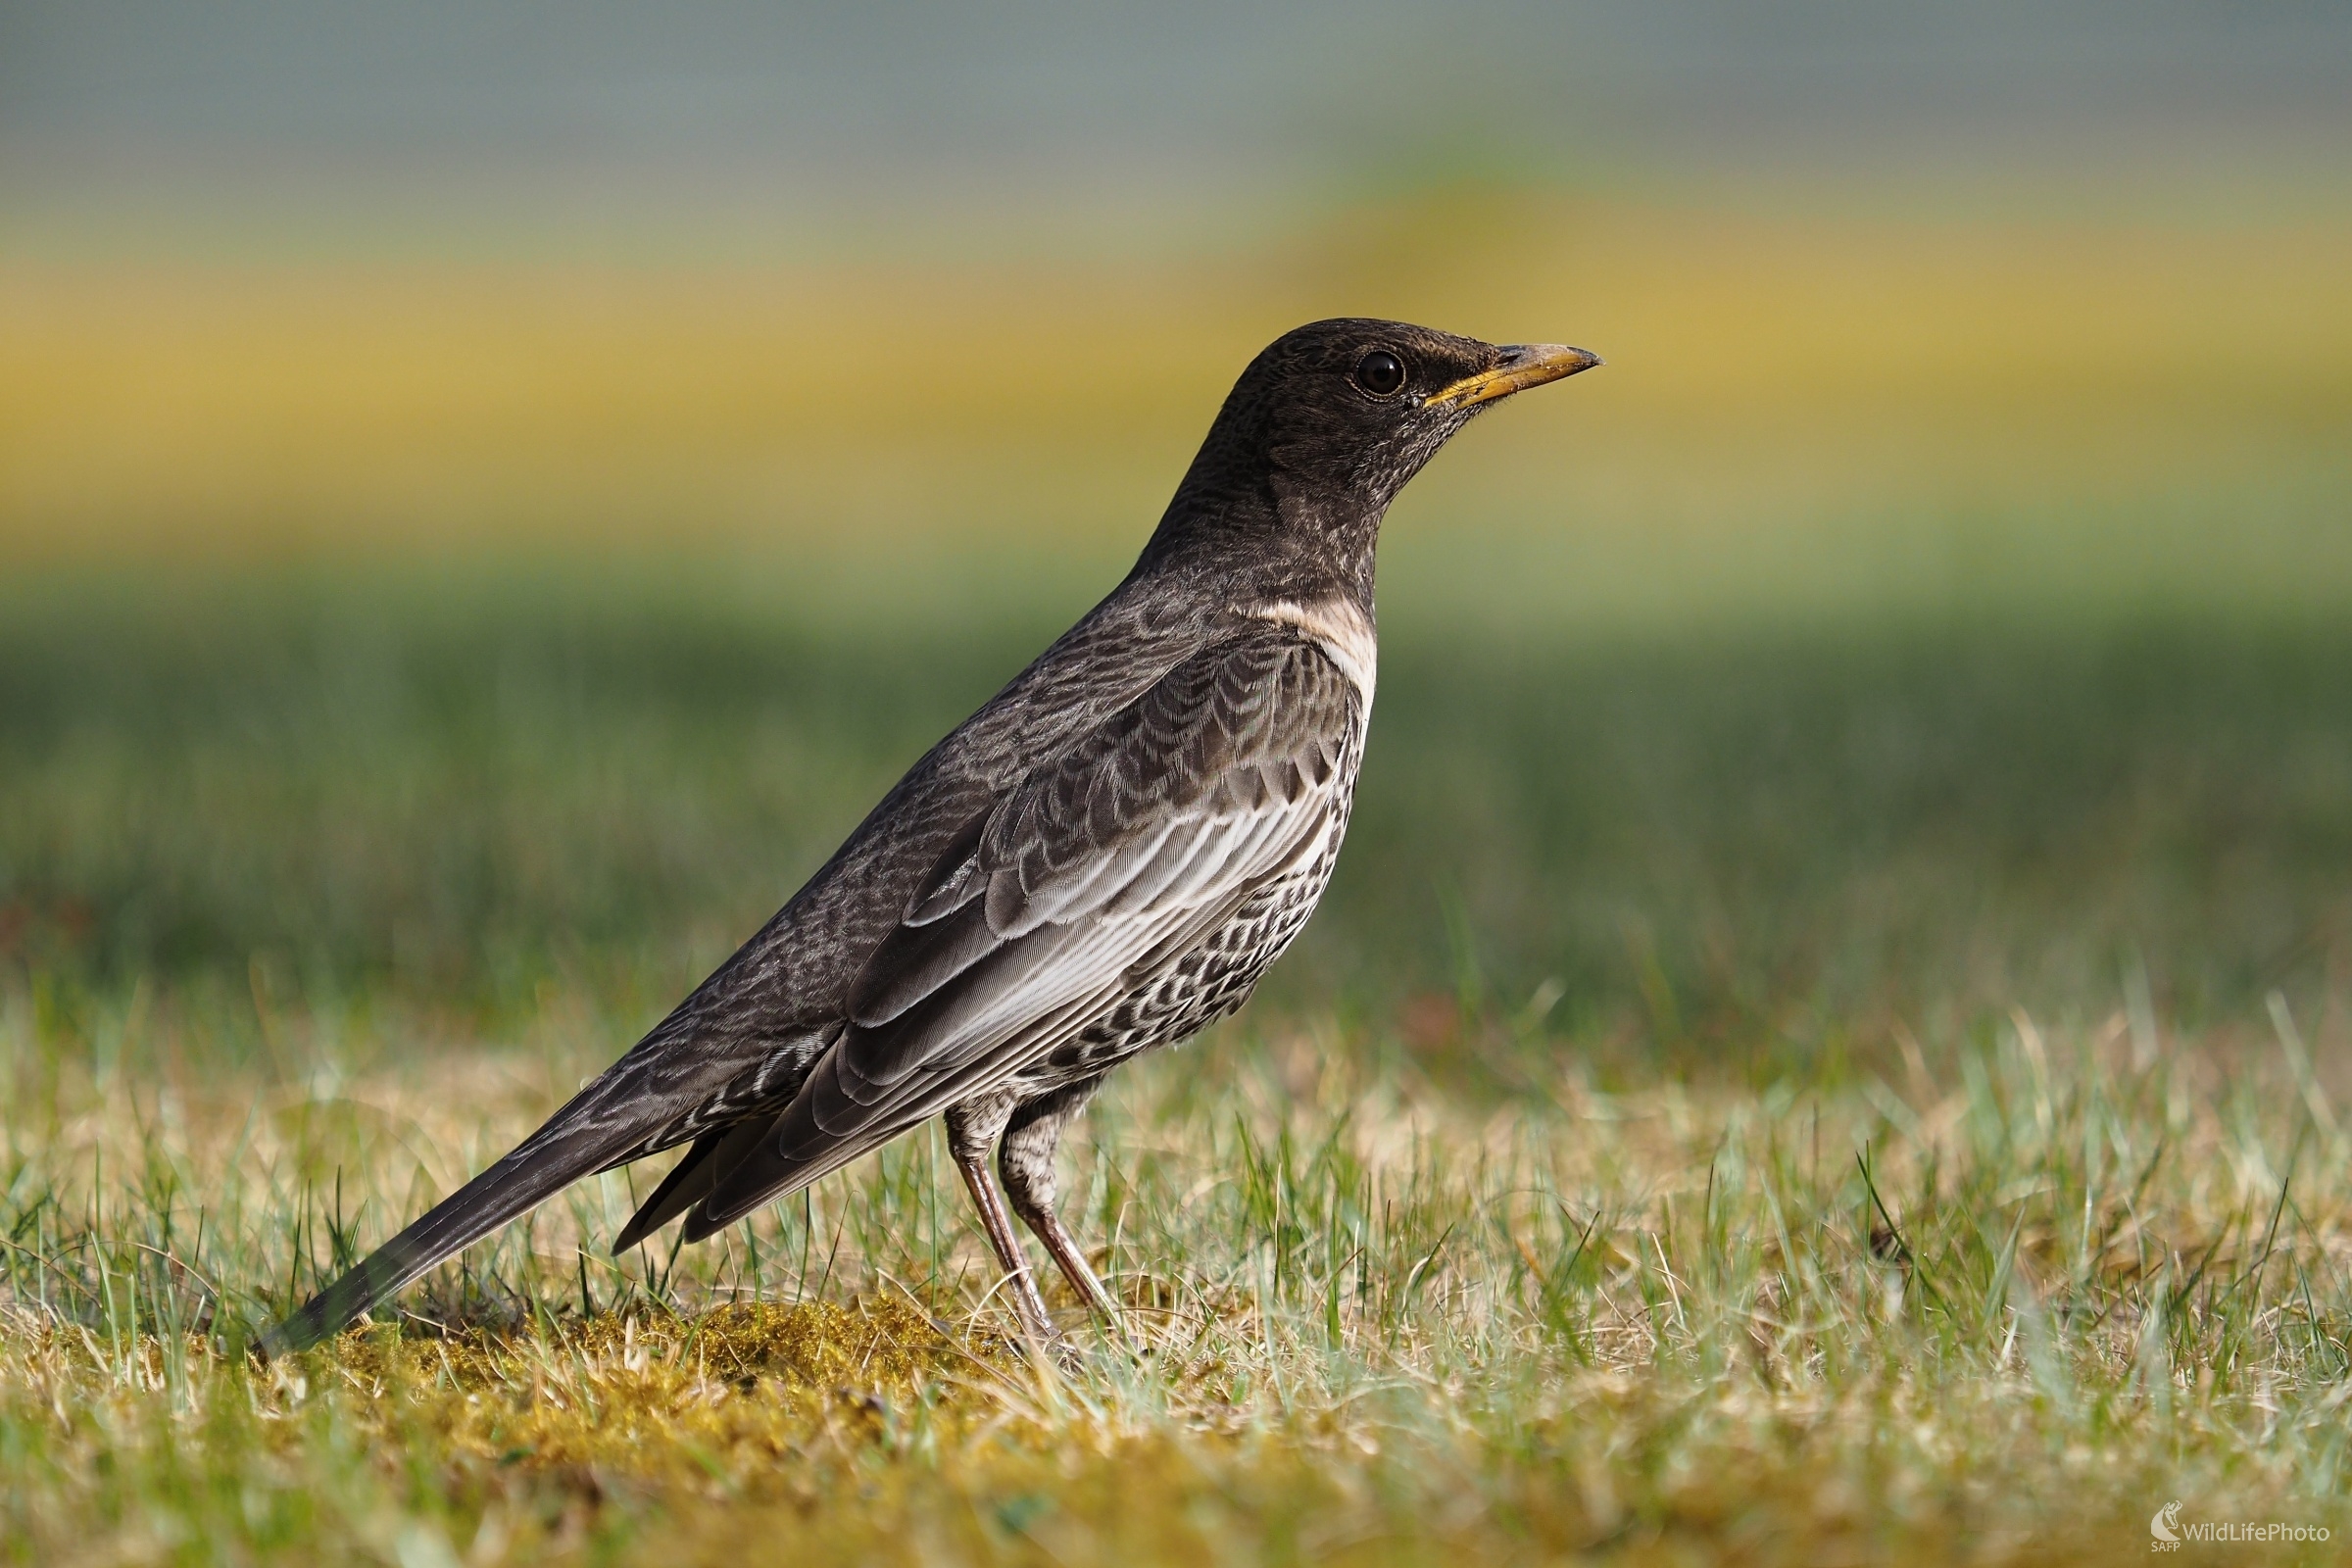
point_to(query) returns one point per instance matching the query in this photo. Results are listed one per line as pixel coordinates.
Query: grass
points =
(1999, 1306)
(1813, 1097)
(439, 792)
(1827, 1043)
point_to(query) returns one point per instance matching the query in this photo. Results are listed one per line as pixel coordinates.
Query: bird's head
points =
(1324, 429)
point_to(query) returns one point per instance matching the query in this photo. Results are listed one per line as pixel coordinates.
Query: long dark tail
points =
(541, 1166)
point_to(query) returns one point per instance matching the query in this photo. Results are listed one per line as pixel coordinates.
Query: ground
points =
(1999, 1309)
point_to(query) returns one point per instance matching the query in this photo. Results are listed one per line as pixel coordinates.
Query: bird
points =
(1102, 861)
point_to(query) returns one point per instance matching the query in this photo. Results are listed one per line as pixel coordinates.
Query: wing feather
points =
(1140, 840)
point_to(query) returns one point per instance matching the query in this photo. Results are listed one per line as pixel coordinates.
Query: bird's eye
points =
(1380, 373)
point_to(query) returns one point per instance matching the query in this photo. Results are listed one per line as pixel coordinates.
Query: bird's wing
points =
(727, 1063)
(1129, 848)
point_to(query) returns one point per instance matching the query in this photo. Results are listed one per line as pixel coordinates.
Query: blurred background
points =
(489, 495)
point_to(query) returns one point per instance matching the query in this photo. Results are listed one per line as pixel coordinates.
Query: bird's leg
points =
(973, 1129)
(1026, 1160)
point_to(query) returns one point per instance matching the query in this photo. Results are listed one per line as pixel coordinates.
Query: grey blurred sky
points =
(150, 94)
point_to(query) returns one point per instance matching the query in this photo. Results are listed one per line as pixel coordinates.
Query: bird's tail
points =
(543, 1165)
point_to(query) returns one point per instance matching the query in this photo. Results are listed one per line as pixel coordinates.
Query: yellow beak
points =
(1522, 366)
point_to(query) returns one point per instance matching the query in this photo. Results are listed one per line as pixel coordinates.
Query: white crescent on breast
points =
(1340, 630)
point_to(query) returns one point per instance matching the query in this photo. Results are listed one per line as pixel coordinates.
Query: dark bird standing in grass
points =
(1105, 859)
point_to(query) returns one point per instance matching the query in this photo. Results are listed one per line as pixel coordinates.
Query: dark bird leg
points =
(1026, 1160)
(973, 1129)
